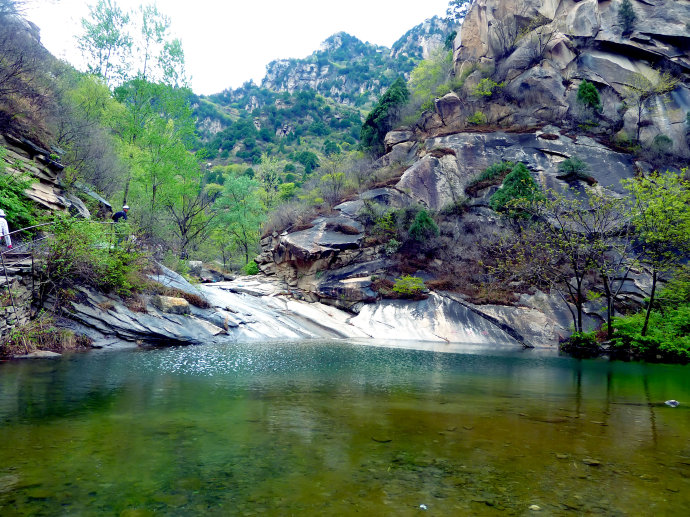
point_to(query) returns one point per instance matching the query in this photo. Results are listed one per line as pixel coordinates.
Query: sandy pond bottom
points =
(341, 429)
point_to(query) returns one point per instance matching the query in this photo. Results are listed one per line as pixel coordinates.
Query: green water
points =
(341, 429)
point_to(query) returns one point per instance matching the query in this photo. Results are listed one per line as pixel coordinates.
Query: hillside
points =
(313, 105)
(353, 72)
(259, 121)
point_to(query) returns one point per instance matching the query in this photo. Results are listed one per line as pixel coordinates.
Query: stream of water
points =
(341, 429)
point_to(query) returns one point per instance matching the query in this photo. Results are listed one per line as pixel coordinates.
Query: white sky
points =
(228, 42)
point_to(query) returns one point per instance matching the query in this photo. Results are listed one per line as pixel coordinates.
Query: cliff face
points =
(536, 53)
(420, 41)
(544, 49)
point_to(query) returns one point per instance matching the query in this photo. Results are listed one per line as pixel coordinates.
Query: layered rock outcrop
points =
(543, 49)
(41, 167)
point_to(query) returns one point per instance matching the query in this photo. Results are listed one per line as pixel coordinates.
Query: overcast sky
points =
(228, 42)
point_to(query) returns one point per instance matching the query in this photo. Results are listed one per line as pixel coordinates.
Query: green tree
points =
(552, 248)
(428, 76)
(517, 186)
(626, 16)
(383, 116)
(309, 161)
(241, 213)
(106, 43)
(661, 218)
(330, 148)
(457, 10)
(588, 95)
(269, 175)
(190, 203)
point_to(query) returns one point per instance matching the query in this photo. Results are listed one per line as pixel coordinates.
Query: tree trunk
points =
(651, 303)
(609, 307)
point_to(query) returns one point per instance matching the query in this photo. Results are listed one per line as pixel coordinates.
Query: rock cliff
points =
(543, 49)
(353, 72)
(536, 53)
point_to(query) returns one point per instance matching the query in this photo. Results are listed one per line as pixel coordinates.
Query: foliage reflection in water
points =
(340, 429)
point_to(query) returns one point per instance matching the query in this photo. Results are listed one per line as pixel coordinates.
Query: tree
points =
(382, 117)
(423, 227)
(552, 247)
(106, 43)
(457, 10)
(640, 91)
(588, 95)
(269, 175)
(428, 75)
(241, 213)
(626, 16)
(661, 219)
(309, 161)
(190, 203)
(21, 61)
(333, 182)
(110, 34)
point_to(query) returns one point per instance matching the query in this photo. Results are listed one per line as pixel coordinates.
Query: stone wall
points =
(20, 284)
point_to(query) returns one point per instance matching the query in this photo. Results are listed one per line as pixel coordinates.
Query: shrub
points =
(80, 253)
(486, 88)
(477, 119)
(517, 186)
(423, 227)
(573, 168)
(41, 334)
(588, 95)
(392, 246)
(251, 268)
(662, 144)
(409, 286)
(492, 175)
(582, 344)
(668, 335)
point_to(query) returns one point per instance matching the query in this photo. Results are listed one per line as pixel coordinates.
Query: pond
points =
(341, 429)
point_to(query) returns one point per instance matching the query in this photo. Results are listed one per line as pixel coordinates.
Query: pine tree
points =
(588, 95)
(626, 16)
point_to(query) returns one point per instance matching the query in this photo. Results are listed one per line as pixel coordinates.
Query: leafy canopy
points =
(588, 95)
(382, 118)
(626, 16)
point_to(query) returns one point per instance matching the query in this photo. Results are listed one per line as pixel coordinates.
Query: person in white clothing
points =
(5, 230)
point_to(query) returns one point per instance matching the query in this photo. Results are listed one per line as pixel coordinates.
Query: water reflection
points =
(340, 429)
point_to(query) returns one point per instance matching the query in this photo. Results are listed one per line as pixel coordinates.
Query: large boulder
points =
(171, 304)
(434, 181)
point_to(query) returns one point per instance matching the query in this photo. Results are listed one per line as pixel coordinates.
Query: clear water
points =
(341, 429)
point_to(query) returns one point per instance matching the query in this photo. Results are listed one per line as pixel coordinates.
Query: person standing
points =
(120, 229)
(122, 214)
(5, 229)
